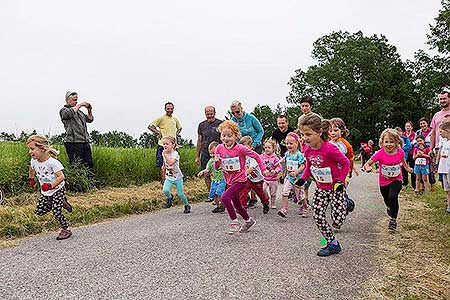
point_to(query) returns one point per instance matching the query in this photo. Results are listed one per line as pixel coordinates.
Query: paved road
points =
(169, 255)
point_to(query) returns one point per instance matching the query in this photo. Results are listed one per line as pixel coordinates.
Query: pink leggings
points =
(273, 187)
(232, 203)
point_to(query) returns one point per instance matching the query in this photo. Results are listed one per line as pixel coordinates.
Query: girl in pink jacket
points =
(273, 166)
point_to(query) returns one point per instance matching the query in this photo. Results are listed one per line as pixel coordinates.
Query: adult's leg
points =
(87, 157)
(160, 161)
(74, 151)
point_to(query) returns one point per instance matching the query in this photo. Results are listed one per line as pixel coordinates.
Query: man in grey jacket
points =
(76, 140)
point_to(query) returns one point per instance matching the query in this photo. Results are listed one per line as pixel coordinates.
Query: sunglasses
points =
(236, 112)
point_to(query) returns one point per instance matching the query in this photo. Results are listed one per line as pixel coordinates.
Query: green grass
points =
(112, 166)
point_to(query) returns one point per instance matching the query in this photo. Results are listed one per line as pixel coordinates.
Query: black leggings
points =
(390, 196)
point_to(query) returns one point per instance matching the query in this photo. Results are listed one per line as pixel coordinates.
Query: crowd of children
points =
(317, 151)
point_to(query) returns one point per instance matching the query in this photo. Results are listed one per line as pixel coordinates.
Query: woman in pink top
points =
(329, 167)
(231, 157)
(391, 159)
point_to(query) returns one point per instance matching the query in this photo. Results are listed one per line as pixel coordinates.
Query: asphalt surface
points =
(170, 255)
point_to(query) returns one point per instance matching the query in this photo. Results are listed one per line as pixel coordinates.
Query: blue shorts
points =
(217, 188)
(422, 170)
(159, 157)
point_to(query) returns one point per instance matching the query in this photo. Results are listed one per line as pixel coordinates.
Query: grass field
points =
(117, 167)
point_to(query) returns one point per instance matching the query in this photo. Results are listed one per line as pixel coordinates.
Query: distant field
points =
(112, 166)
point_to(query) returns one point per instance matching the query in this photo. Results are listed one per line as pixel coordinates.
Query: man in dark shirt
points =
(207, 133)
(281, 132)
(76, 140)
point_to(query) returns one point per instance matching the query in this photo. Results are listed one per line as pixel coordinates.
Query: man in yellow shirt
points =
(166, 125)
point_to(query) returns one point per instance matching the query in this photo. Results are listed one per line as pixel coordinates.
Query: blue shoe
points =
(350, 204)
(329, 249)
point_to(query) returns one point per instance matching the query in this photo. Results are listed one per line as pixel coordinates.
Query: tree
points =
(148, 140)
(359, 79)
(439, 36)
(267, 118)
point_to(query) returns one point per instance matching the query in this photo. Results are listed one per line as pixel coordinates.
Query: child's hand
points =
(410, 170)
(267, 173)
(32, 182)
(356, 172)
(200, 173)
(46, 186)
(293, 174)
(366, 169)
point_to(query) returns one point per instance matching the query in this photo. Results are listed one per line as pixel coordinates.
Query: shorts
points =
(159, 157)
(446, 181)
(308, 182)
(422, 170)
(217, 188)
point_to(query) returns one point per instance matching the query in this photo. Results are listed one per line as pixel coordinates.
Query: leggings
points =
(390, 196)
(257, 187)
(272, 186)
(232, 202)
(179, 185)
(53, 203)
(321, 199)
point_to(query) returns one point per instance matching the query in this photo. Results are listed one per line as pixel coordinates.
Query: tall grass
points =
(112, 167)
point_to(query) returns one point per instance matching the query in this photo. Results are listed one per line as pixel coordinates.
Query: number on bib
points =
(421, 161)
(291, 165)
(390, 171)
(231, 164)
(322, 175)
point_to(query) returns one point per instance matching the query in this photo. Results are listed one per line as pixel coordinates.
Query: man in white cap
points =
(76, 140)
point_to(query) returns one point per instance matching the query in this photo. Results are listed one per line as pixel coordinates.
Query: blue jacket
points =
(406, 145)
(249, 125)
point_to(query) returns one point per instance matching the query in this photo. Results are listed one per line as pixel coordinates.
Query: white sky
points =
(129, 58)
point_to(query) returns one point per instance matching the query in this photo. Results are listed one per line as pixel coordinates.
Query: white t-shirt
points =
(173, 172)
(46, 173)
(444, 161)
(256, 175)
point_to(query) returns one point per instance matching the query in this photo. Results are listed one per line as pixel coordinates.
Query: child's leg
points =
(418, 179)
(321, 199)
(166, 188)
(338, 208)
(43, 206)
(180, 193)
(448, 200)
(212, 190)
(394, 190)
(229, 198)
(258, 188)
(57, 202)
(273, 187)
(244, 193)
(425, 182)
(385, 193)
(299, 192)
(287, 187)
(221, 186)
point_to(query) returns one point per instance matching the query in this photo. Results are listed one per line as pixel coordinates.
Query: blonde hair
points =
(213, 145)
(445, 124)
(246, 140)
(271, 142)
(42, 143)
(170, 139)
(339, 123)
(393, 134)
(230, 125)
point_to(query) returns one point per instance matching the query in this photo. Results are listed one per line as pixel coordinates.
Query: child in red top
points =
(329, 167)
(391, 159)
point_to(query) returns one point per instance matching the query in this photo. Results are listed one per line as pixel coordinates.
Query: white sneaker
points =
(234, 227)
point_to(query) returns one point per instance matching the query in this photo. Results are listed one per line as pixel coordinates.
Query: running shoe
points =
(350, 204)
(273, 206)
(266, 208)
(330, 249)
(282, 213)
(66, 205)
(169, 201)
(187, 209)
(234, 227)
(392, 225)
(302, 211)
(247, 225)
(219, 209)
(64, 234)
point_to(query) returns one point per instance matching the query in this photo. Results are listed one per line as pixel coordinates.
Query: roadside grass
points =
(414, 262)
(18, 220)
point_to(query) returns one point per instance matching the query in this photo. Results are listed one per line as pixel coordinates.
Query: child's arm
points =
(278, 167)
(201, 173)
(405, 165)
(31, 172)
(249, 170)
(247, 152)
(299, 170)
(355, 169)
(169, 161)
(59, 178)
(367, 166)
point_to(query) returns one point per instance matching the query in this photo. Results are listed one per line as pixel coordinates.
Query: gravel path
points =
(169, 255)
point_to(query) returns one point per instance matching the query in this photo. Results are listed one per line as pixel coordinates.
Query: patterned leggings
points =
(321, 200)
(53, 203)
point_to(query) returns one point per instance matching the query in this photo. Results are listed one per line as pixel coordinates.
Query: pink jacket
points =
(272, 163)
(233, 162)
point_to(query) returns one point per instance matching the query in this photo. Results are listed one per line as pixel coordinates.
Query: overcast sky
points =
(129, 58)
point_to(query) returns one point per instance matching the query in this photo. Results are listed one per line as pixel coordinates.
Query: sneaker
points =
(64, 234)
(273, 206)
(282, 213)
(169, 202)
(266, 208)
(329, 249)
(209, 200)
(187, 209)
(247, 225)
(350, 204)
(219, 209)
(302, 210)
(392, 224)
(66, 205)
(234, 227)
(252, 203)
(294, 198)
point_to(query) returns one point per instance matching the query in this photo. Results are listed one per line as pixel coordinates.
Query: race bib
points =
(322, 175)
(444, 153)
(391, 171)
(231, 164)
(421, 161)
(291, 165)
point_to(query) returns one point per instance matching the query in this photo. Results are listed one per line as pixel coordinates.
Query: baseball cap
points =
(70, 93)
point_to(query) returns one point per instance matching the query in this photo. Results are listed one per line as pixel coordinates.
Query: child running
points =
(217, 182)
(273, 166)
(391, 158)
(295, 164)
(421, 157)
(49, 172)
(443, 158)
(230, 156)
(255, 178)
(329, 167)
(338, 133)
(173, 173)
